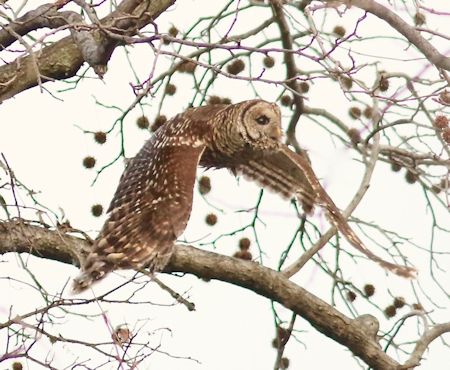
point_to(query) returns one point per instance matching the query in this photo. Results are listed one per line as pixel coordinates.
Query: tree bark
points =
(56, 245)
(63, 59)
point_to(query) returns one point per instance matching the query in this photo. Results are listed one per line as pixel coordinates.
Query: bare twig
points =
(250, 275)
(411, 34)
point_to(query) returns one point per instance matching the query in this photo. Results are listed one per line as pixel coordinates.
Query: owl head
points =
(260, 123)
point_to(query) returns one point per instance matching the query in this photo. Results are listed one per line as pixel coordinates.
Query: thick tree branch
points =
(47, 16)
(20, 237)
(34, 19)
(63, 59)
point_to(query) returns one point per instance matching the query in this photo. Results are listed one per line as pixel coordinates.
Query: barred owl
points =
(153, 201)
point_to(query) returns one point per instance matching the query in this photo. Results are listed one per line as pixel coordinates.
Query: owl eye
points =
(262, 120)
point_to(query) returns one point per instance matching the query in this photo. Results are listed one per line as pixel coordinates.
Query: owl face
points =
(261, 123)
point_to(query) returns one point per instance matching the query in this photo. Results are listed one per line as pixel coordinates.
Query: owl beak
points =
(276, 133)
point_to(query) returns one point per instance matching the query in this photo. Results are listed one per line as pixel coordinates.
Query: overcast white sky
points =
(232, 328)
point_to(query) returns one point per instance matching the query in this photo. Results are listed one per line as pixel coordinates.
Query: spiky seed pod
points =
(354, 135)
(347, 82)
(187, 67)
(100, 137)
(244, 243)
(243, 255)
(236, 67)
(181, 67)
(444, 96)
(190, 67)
(142, 122)
(399, 302)
(417, 306)
(339, 31)
(214, 99)
(17, 366)
(204, 185)
(159, 121)
(411, 177)
(282, 334)
(268, 62)
(284, 363)
(286, 100)
(211, 219)
(173, 31)
(390, 311)
(226, 101)
(350, 295)
(354, 112)
(304, 87)
(419, 19)
(170, 89)
(396, 167)
(368, 112)
(446, 135)
(369, 290)
(89, 162)
(122, 335)
(441, 121)
(97, 210)
(383, 84)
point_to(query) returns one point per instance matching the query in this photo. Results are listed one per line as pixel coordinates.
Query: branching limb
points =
(411, 34)
(365, 183)
(291, 72)
(64, 58)
(20, 237)
(422, 344)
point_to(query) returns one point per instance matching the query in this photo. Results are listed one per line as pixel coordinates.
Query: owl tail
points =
(98, 264)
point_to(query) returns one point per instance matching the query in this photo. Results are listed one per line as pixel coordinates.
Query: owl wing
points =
(291, 174)
(334, 214)
(273, 170)
(150, 208)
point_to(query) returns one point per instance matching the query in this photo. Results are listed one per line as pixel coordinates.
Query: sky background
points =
(43, 141)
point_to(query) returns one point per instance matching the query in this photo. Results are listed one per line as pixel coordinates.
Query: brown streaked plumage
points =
(153, 201)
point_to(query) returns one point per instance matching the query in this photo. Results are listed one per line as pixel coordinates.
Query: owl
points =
(153, 201)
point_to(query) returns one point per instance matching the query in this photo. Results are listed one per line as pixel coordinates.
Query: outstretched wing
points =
(151, 206)
(291, 174)
(269, 168)
(272, 169)
(334, 214)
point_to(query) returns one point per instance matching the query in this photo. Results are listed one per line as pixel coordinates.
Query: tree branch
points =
(45, 243)
(291, 72)
(63, 59)
(411, 34)
(422, 344)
